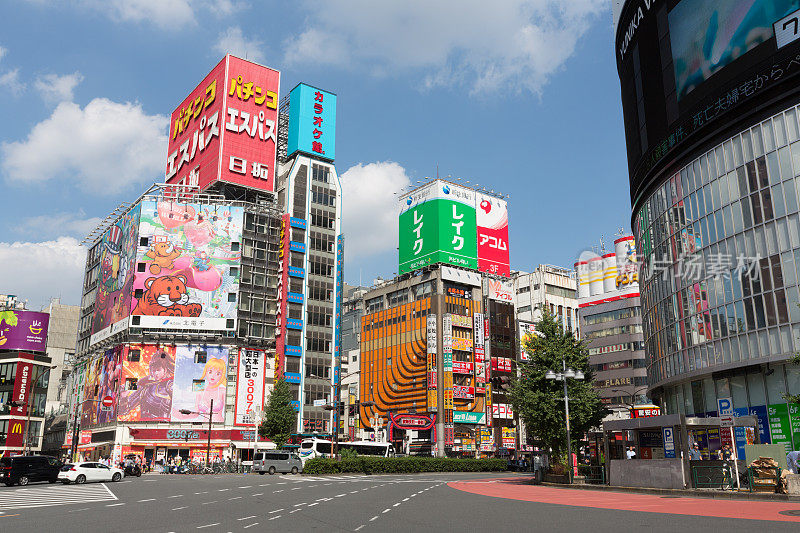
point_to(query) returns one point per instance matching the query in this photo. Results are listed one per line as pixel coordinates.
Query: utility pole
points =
(208, 444)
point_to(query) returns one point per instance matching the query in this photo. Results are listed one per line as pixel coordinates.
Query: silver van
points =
(271, 461)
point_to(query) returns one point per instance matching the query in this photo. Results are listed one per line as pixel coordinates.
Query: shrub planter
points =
(556, 478)
(401, 465)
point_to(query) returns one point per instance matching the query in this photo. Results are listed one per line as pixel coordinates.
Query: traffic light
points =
(351, 409)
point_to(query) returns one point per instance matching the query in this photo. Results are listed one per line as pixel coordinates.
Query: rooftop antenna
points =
(602, 244)
(437, 171)
(620, 232)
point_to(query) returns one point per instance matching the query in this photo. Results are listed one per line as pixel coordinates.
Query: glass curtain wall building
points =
(713, 142)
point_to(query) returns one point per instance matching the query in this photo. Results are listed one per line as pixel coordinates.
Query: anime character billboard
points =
(200, 377)
(115, 279)
(146, 383)
(91, 390)
(184, 278)
(107, 382)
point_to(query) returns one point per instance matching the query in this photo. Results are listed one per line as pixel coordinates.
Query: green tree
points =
(540, 401)
(279, 416)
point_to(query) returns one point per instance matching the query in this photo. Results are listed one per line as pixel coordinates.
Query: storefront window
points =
(739, 392)
(723, 389)
(776, 387)
(710, 396)
(755, 386)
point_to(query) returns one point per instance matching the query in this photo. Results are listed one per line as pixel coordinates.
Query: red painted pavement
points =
(519, 489)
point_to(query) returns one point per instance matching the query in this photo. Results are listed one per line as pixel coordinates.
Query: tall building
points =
(436, 338)
(611, 322)
(24, 373)
(550, 288)
(711, 124)
(202, 291)
(61, 337)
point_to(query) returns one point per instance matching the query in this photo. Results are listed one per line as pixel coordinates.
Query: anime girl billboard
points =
(107, 382)
(90, 392)
(200, 377)
(146, 383)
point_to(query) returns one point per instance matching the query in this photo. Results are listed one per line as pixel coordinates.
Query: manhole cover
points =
(790, 512)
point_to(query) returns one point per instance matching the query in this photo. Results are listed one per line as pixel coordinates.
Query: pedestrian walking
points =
(694, 453)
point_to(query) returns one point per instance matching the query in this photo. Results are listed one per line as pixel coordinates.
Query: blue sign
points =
(294, 297)
(739, 433)
(297, 247)
(312, 122)
(295, 404)
(294, 323)
(760, 412)
(298, 223)
(297, 272)
(292, 377)
(669, 442)
(294, 351)
(725, 406)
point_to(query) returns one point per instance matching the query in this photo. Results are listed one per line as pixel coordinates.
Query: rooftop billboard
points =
(312, 122)
(442, 222)
(23, 330)
(226, 129)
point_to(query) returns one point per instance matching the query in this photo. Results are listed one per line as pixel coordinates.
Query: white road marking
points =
(298, 504)
(208, 525)
(204, 492)
(246, 487)
(147, 500)
(115, 504)
(275, 517)
(280, 490)
(251, 525)
(258, 494)
(353, 491)
(395, 505)
(313, 504)
(179, 508)
(385, 511)
(359, 527)
(294, 511)
(222, 490)
(297, 488)
(276, 511)
(246, 517)
(373, 518)
(406, 499)
(175, 496)
(208, 503)
(235, 498)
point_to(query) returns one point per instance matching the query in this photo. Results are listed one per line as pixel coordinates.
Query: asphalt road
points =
(420, 502)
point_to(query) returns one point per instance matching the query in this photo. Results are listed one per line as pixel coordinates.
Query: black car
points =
(24, 469)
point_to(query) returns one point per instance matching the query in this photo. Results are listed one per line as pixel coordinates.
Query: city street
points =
(418, 502)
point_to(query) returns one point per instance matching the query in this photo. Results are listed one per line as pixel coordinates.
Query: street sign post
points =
(725, 408)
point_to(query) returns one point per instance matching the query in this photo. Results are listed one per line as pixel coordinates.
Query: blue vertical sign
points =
(312, 122)
(669, 442)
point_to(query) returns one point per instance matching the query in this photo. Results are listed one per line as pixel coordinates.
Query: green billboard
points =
(438, 225)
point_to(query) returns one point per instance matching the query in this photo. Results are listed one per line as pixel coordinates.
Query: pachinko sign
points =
(187, 266)
(249, 386)
(23, 330)
(226, 129)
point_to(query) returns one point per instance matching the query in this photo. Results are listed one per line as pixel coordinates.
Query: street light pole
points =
(562, 376)
(208, 444)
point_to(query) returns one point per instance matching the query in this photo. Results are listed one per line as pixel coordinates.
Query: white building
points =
(547, 287)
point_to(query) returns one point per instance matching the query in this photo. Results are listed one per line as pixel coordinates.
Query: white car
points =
(83, 472)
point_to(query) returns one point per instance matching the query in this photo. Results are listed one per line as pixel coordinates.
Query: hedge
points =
(401, 465)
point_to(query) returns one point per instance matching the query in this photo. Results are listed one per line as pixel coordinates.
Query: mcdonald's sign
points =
(16, 428)
(16, 433)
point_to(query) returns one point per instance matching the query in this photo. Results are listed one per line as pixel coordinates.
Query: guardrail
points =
(595, 475)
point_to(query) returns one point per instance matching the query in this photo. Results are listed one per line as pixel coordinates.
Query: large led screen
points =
(707, 35)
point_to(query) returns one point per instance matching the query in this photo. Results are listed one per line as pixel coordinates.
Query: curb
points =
(677, 493)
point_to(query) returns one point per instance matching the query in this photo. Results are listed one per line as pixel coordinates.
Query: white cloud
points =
(37, 271)
(11, 81)
(55, 88)
(233, 41)
(76, 224)
(3, 52)
(163, 13)
(514, 44)
(104, 148)
(370, 208)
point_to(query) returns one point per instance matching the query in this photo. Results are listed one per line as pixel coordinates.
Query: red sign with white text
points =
(226, 129)
(492, 220)
(461, 367)
(463, 392)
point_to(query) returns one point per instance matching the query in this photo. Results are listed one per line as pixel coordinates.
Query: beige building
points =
(547, 287)
(61, 339)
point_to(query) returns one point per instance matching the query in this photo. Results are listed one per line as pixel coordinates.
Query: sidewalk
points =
(773, 507)
(691, 493)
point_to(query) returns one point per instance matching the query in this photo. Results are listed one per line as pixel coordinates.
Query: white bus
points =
(314, 447)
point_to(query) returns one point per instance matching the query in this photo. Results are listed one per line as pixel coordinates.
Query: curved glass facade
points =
(719, 243)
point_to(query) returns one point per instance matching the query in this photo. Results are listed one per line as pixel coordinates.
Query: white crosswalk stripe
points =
(49, 495)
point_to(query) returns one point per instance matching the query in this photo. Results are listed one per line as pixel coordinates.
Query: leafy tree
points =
(540, 401)
(279, 416)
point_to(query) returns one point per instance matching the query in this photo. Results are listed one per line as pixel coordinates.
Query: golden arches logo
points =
(16, 428)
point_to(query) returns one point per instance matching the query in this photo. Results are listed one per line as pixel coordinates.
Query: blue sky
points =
(522, 98)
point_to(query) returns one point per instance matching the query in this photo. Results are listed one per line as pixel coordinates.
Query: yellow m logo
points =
(17, 428)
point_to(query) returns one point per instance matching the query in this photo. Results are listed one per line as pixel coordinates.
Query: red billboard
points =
(492, 221)
(462, 367)
(226, 129)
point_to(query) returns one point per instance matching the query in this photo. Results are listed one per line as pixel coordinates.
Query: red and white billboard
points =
(463, 392)
(249, 386)
(226, 129)
(462, 367)
(492, 220)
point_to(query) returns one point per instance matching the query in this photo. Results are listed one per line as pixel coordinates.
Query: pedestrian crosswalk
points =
(49, 495)
(330, 478)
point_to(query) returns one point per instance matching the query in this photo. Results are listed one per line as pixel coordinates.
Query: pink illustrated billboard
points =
(23, 330)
